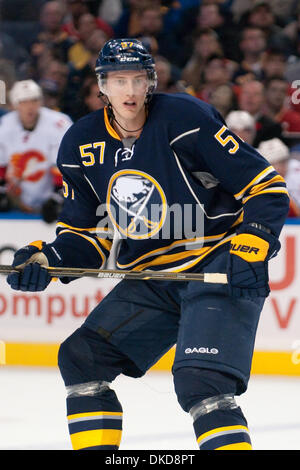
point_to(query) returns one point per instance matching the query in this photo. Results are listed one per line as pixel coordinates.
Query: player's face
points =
(126, 91)
(29, 112)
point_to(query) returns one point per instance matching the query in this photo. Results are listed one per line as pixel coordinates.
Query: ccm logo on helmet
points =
(201, 350)
(129, 59)
(244, 248)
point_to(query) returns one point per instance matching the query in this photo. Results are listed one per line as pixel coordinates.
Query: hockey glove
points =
(51, 208)
(248, 263)
(34, 276)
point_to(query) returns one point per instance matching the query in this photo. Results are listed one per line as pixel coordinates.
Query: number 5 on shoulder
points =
(228, 139)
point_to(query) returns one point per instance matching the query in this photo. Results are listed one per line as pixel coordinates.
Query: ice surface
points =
(32, 412)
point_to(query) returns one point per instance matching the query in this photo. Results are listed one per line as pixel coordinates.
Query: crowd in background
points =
(242, 56)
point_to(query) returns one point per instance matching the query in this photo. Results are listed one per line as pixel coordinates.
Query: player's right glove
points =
(34, 276)
(249, 254)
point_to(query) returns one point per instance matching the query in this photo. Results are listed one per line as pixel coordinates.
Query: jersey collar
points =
(109, 127)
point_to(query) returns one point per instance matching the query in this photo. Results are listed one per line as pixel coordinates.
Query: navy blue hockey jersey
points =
(175, 195)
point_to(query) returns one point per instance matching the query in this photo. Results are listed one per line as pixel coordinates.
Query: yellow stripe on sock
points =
(222, 429)
(237, 446)
(97, 437)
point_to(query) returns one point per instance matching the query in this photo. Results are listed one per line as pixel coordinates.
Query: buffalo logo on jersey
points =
(136, 204)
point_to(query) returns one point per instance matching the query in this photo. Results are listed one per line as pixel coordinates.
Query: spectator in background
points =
(261, 15)
(29, 140)
(110, 11)
(54, 80)
(278, 109)
(13, 52)
(205, 44)
(292, 31)
(88, 99)
(151, 22)
(77, 8)
(278, 155)
(51, 34)
(252, 46)
(79, 54)
(210, 15)
(274, 63)
(128, 24)
(74, 10)
(216, 73)
(251, 98)
(168, 79)
(77, 76)
(242, 124)
(223, 99)
(94, 44)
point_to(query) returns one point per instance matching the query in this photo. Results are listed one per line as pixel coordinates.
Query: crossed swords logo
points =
(128, 188)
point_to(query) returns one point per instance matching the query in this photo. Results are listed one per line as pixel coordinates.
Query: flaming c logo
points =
(27, 166)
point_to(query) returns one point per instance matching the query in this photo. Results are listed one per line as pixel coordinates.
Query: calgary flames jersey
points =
(174, 195)
(29, 156)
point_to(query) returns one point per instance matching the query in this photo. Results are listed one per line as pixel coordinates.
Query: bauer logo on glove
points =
(249, 247)
(248, 264)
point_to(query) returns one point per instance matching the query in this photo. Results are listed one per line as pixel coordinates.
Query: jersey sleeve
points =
(83, 234)
(238, 167)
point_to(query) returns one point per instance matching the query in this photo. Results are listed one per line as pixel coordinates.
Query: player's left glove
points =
(249, 254)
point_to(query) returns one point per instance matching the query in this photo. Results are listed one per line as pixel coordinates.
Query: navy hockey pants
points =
(211, 330)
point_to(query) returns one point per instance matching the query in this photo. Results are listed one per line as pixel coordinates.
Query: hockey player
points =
(30, 136)
(131, 166)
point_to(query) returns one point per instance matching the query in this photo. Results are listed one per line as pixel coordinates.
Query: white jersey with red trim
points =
(30, 156)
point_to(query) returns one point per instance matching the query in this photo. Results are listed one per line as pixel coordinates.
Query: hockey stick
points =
(117, 274)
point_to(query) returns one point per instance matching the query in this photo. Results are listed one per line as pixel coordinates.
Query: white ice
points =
(32, 412)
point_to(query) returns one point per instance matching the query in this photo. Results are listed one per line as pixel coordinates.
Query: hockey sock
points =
(222, 430)
(95, 422)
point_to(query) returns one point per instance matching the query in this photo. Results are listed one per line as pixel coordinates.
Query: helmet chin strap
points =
(112, 118)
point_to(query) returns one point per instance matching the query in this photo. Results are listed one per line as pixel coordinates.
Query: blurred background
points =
(240, 55)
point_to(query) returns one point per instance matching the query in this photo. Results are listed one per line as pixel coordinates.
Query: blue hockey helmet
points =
(125, 54)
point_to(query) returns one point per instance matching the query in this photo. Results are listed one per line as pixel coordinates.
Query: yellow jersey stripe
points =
(224, 429)
(38, 244)
(267, 191)
(198, 259)
(258, 187)
(96, 437)
(236, 446)
(257, 178)
(175, 244)
(105, 243)
(165, 259)
(188, 264)
(109, 127)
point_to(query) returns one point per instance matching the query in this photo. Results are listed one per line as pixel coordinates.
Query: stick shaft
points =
(117, 274)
